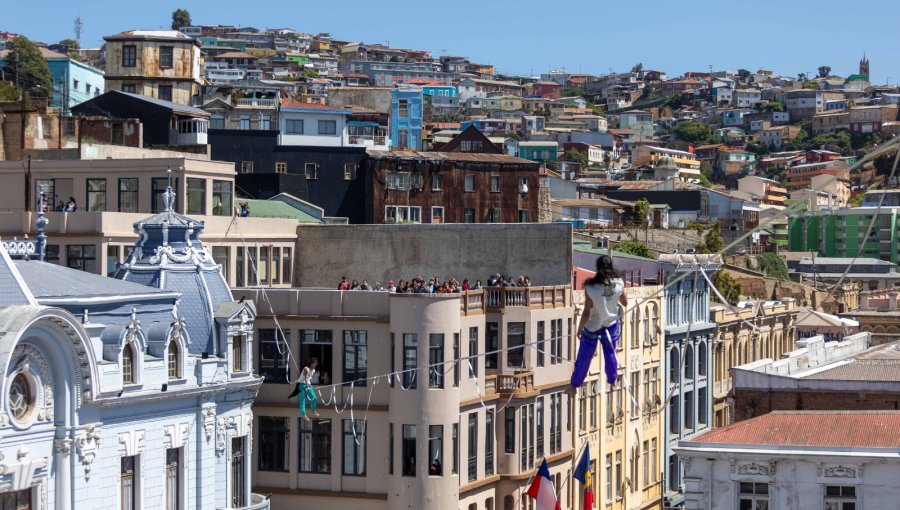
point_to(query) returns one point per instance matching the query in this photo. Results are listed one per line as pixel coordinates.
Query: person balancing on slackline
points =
(599, 321)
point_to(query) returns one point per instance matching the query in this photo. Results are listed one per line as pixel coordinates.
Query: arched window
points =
(647, 325)
(173, 361)
(674, 365)
(701, 359)
(654, 323)
(688, 363)
(128, 364)
(636, 327)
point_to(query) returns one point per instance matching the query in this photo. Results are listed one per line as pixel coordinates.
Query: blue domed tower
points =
(170, 256)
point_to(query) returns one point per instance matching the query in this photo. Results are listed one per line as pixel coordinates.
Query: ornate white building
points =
(128, 393)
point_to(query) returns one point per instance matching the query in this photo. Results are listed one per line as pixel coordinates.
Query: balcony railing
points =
(471, 302)
(367, 140)
(515, 383)
(246, 102)
(531, 297)
(490, 384)
(473, 468)
(489, 464)
(257, 502)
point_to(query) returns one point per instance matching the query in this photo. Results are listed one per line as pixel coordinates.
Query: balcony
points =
(515, 383)
(189, 132)
(257, 502)
(252, 102)
(534, 298)
(367, 134)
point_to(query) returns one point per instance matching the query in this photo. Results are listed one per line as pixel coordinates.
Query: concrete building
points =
(416, 378)
(869, 119)
(687, 359)
(687, 163)
(811, 323)
(390, 74)
(800, 176)
(639, 122)
(817, 459)
(840, 233)
(805, 103)
(878, 314)
(144, 400)
(745, 333)
(872, 273)
(164, 64)
(762, 190)
(312, 124)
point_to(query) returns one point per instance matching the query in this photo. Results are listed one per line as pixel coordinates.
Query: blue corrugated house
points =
(73, 82)
(406, 118)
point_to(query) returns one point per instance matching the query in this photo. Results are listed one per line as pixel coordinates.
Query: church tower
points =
(864, 67)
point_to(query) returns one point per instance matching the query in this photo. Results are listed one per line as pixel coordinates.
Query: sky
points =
(528, 37)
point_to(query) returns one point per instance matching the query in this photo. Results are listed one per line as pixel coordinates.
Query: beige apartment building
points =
(737, 343)
(623, 427)
(112, 195)
(164, 64)
(487, 420)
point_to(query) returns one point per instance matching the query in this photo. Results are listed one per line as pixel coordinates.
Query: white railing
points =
(257, 103)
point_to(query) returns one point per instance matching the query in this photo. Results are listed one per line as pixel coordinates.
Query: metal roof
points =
(468, 157)
(46, 280)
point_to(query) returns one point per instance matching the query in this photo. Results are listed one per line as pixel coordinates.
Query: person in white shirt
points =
(600, 322)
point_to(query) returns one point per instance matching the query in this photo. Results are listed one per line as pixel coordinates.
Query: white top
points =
(606, 303)
(309, 376)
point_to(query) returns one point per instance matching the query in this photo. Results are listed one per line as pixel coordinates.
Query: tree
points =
(774, 106)
(311, 73)
(773, 265)
(824, 71)
(692, 132)
(634, 248)
(72, 44)
(712, 241)
(704, 181)
(8, 92)
(810, 85)
(801, 76)
(640, 211)
(727, 286)
(577, 156)
(180, 18)
(28, 68)
(637, 68)
(856, 200)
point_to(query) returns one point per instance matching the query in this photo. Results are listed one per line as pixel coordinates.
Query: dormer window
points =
(128, 364)
(173, 361)
(237, 353)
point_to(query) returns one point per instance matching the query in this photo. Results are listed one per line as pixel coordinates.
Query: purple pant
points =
(608, 337)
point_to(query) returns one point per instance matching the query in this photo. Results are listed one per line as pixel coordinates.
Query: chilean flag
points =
(583, 474)
(542, 491)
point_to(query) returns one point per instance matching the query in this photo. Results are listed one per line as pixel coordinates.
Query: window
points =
(265, 122)
(674, 366)
(523, 216)
(526, 437)
(244, 122)
(701, 359)
(281, 167)
(473, 446)
(592, 405)
(555, 344)
(316, 343)
(654, 468)
(96, 194)
(238, 487)
(217, 122)
(674, 421)
(315, 446)
(609, 477)
(390, 448)
(355, 357)
(473, 352)
(272, 367)
(82, 256)
(646, 453)
(493, 215)
(129, 87)
(127, 483)
(286, 265)
(237, 353)
(311, 170)
(173, 361)
(397, 180)
(635, 389)
(408, 450)
(327, 127)
(509, 430)
(469, 183)
(701, 408)
(402, 214)
(437, 214)
(354, 448)
(410, 358)
(754, 496)
(455, 439)
(839, 497)
(293, 126)
(556, 422)
(196, 196)
(173, 478)
(469, 215)
(437, 182)
(246, 167)
(456, 359)
(489, 442)
(688, 363)
(129, 56)
(402, 109)
(539, 426)
(436, 450)
(75, 84)
(158, 190)
(495, 184)
(164, 92)
(492, 343)
(515, 343)
(128, 194)
(165, 57)
(436, 360)
(619, 474)
(350, 171)
(239, 267)
(222, 194)
(274, 436)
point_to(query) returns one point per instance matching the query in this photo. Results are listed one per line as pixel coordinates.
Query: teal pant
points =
(307, 393)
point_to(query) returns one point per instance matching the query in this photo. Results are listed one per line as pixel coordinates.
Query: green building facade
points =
(841, 233)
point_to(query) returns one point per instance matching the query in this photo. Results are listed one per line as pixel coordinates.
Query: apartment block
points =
(841, 232)
(443, 401)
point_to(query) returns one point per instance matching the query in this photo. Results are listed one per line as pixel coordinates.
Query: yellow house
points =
(623, 427)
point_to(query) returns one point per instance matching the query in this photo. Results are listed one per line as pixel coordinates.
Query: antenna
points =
(79, 25)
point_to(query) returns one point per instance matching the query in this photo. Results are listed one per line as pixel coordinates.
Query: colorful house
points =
(406, 118)
(538, 151)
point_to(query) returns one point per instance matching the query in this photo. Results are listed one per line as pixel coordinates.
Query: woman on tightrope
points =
(599, 322)
(304, 388)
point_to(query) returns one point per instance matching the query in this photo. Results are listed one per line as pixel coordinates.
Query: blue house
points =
(439, 90)
(406, 118)
(73, 81)
(687, 359)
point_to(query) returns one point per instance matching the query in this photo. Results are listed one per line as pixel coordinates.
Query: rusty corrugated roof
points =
(469, 157)
(842, 429)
